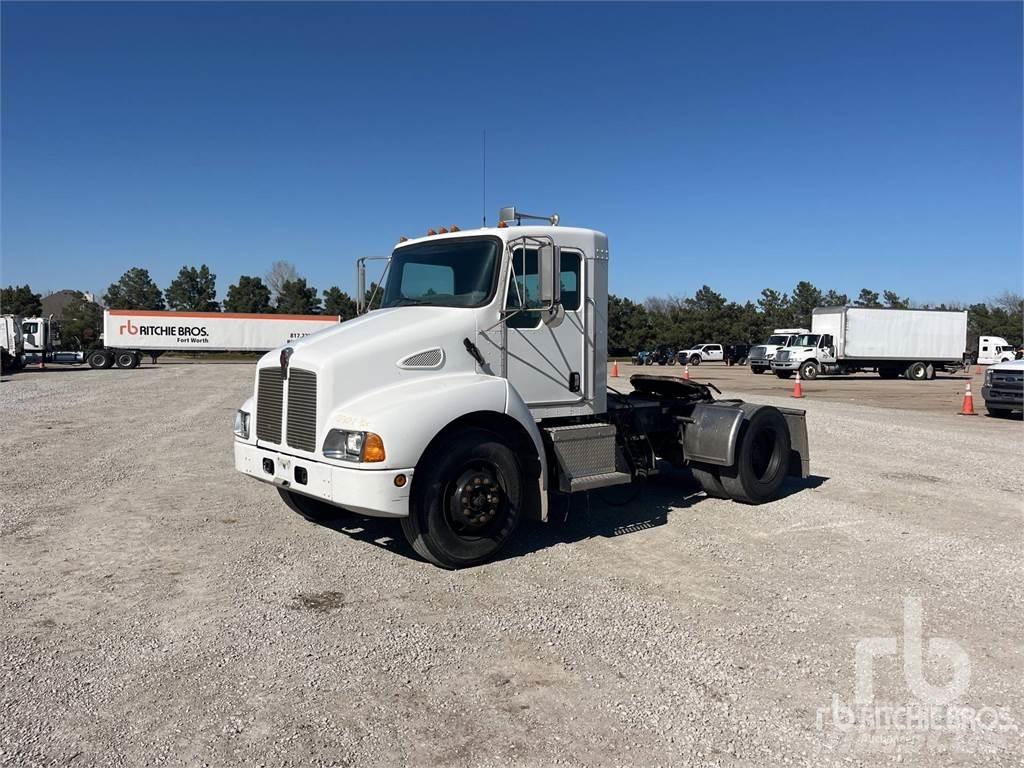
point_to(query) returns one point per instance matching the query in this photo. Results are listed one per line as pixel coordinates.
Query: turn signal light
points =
(373, 448)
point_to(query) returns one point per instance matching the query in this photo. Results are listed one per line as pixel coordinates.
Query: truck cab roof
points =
(559, 234)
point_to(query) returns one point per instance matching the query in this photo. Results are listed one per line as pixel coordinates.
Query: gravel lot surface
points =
(160, 608)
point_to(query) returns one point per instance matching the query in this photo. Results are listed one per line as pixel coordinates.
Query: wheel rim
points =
(476, 501)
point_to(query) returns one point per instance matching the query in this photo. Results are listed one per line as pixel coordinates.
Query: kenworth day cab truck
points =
(479, 387)
(760, 357)
(914, 343)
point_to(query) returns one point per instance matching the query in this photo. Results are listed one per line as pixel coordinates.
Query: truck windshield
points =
(778, 341)
(807, 340)
(446, 273)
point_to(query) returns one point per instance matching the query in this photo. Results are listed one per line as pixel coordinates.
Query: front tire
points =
(762, 458)
(784, 374)
(809, 370)
(998, 413)
(757, 371)
(467, 500)
(695, 360)
(314, 510)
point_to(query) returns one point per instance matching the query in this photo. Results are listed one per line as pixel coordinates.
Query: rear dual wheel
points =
(467, 500)
(917, 372)
(762, 461)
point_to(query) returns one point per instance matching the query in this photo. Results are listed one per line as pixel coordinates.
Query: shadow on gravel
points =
(610, 512)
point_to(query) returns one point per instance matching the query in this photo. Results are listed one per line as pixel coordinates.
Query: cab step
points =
(587, 456)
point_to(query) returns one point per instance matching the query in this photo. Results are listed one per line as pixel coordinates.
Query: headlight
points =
(353, 446)
(988, 377)
(242, 424)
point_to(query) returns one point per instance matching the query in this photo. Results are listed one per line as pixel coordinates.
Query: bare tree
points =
(281, 272)
(1008, 300)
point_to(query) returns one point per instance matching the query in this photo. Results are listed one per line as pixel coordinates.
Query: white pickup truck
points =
(701, 353)
(1003, 389)
(478, 388)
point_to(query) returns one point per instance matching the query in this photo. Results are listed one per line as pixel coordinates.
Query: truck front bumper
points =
(370, 492)
(787, 365)
(1003, 397)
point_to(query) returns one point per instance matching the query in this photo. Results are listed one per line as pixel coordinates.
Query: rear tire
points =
(917, 372)
(762, 458)
(99, 359)
(709, 481)
(314, 510)
(467, 500)
(124, 359)
(136, 360)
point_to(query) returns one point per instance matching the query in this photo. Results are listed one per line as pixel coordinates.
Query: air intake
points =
(428, 358)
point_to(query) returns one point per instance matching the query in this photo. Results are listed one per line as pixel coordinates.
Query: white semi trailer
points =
(914, 343)
(128, 333)
(478, 388)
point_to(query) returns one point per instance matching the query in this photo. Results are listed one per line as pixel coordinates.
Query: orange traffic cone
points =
(615, 369)
(967, 409)
(686, 373)
(798, 390)
(977, 369)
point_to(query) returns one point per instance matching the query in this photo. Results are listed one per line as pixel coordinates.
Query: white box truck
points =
(914, 343)
(478, 388)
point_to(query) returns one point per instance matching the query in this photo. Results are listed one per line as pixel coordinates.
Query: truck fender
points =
(713, 435)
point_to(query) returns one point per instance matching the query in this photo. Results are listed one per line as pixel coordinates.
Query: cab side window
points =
(524, 289)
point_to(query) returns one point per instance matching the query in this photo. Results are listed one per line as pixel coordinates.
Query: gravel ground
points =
(159, 608)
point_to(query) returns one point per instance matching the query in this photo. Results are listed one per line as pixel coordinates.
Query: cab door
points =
(713, 352)
(545, 360)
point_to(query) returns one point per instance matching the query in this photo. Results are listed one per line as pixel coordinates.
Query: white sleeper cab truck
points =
(478, 388)
(914, 343)
(701, 353)
(12, 344)
(995, 349)
(760, 357)
(128, 333)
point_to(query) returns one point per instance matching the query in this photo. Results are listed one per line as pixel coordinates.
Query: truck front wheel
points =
(466, 501)
(695, 360)
(809, 370)
(762, 458)
(784, 374)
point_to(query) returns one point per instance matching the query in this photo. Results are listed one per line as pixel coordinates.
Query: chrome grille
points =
(302, 409)
(757, 353)
(268, 405)
(782, 356)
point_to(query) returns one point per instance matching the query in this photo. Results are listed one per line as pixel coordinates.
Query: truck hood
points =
(1010, 365)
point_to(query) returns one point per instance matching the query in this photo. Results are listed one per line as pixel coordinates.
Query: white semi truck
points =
(914, 343)
(995, 349)
(478, 388)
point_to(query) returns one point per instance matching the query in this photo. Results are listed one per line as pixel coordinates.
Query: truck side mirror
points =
(549, 275)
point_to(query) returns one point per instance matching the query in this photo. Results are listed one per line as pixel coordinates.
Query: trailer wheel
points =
(124, 359)
(314, 510)
(809, 370)
(466, 500)
(762, 458)
(709, 481)
(917, 372)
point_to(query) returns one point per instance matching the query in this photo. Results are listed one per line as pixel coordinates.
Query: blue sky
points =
(736, 145)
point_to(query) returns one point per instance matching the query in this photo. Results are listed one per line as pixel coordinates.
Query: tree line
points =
(677, 321)
(708, 316)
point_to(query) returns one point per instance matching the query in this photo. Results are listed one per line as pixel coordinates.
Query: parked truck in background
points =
(760, 357)
(701, 353)
(1003, 389)
(12, 343)
(914, 343)
(478, 388)
(995, 349)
